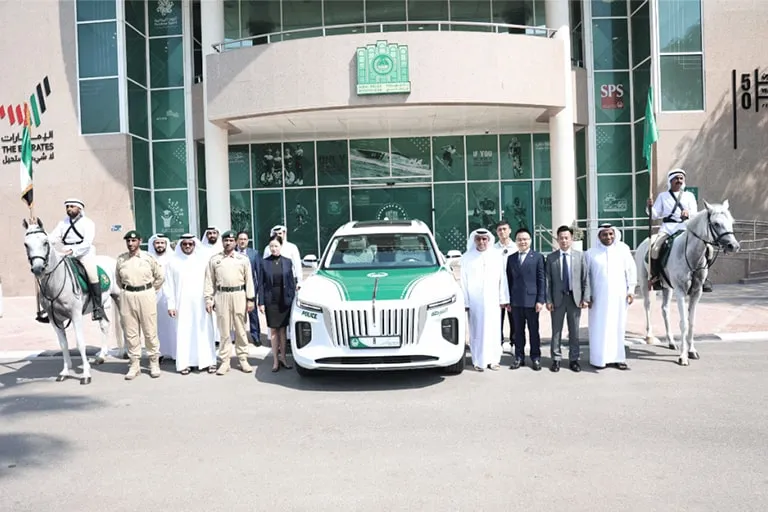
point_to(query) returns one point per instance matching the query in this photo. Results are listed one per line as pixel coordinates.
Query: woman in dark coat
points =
(277, 290)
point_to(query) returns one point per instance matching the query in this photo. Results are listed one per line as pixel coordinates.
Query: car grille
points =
(349, 323)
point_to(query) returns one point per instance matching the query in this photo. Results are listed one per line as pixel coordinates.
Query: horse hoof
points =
(98, 360)
(61, 378)
(85, 381)
(693, 355)
(672, 346)
(682, 362)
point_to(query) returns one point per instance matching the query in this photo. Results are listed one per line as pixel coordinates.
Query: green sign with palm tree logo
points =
(382, 68)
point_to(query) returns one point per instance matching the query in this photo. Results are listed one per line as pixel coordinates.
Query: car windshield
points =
(389, 250)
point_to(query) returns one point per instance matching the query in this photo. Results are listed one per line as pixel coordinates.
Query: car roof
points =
(364, 227)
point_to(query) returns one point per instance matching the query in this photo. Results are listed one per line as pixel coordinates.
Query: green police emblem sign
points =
(382, 68)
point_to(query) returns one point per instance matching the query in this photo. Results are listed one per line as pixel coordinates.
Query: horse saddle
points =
(82, 276)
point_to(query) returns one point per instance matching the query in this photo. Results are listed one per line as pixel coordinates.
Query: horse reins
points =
(47, 275)
(716, 237)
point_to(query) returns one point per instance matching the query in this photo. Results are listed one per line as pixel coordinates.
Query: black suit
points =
(527, 287)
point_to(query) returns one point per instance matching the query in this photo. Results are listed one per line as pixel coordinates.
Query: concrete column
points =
(561, 136)
(216, 138)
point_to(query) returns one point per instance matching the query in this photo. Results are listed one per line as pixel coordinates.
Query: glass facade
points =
(269, 21)
(453, 183)
(681, 57)
(157, 115)
(621, 63)
(97, 70)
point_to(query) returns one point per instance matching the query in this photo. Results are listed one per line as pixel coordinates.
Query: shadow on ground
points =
(24, 451)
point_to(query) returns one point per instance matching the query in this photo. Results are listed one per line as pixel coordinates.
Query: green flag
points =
(650, 133)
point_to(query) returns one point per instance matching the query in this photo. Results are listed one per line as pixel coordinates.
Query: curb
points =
(29, 355)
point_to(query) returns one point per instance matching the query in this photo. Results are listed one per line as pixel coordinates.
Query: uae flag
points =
(25, 173)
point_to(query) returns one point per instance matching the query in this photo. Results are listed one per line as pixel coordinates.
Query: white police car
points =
(382, 297)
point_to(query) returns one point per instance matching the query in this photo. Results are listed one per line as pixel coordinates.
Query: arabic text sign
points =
(42, 148)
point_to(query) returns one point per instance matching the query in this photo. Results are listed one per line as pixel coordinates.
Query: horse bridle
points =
(46, 276)
(715, 242)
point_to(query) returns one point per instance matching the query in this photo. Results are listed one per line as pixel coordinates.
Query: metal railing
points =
(751, 234)
(409, 26)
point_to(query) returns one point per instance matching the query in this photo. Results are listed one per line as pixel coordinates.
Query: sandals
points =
(185, 371)
(212, 369)
(494, 367)
(479, 368)
(285, 365)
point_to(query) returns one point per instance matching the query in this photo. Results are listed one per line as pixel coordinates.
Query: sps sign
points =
(612, 96)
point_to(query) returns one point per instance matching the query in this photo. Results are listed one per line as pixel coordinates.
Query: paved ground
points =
(657, 438)
(731, 312)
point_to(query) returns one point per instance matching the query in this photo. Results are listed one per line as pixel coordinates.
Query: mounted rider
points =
(674, 207)
(76, 232)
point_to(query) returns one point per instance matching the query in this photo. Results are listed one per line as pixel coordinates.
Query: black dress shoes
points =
(536, 365)
(575, 366)
(555, 366)
(517, 363)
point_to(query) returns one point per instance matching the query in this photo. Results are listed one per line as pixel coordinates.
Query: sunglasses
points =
(187, 243)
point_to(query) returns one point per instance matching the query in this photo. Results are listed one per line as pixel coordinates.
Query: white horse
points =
(686, 270)
(65, 302)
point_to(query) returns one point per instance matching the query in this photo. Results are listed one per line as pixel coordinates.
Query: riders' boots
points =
(655, 274)
(133, 370)
(98, 310)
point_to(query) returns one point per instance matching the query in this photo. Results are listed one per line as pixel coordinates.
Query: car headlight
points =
(442, 302)
(309, 306)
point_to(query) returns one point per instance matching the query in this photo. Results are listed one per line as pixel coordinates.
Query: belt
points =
(670, 219)
(72, 243)
(230, 288)
(129, 288)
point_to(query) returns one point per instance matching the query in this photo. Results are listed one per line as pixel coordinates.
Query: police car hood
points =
(422, 285)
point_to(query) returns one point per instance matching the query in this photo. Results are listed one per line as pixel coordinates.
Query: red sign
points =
(612, 96)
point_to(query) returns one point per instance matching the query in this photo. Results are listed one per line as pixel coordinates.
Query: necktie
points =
(522, 257)
(566, 275)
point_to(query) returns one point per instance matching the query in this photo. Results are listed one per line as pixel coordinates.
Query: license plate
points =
(375, 342)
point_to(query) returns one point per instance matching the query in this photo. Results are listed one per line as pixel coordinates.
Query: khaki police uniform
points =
(139, 277)
(229, 287)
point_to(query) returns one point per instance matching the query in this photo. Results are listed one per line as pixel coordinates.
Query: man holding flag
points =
(674, 206)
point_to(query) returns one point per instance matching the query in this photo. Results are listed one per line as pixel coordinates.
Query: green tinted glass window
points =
(140, 163)
(142, 211)
(99, 106)
(614, 197)
(138, 120)
(612, 97)
(611, 44)
(170, 164)
(614, 148)
(516, 156)
(301, 219)
(268, 210)
(542, 191)
(603, 9)
(97, 49)
(239, 167)
(267, 165)
(477, 11)
(344, 12)
(96, 10)
(682, 86)
(332, 210)
(448, 158)
(168, 114)
(679, 26)
(332, 162)
(299, 163)
(164, 17)
(134, 15)
(450, 216)
(482, 157)
(172, 213)
(377, 11)
(240, 216)
(483, 205)
(517, 204)
(136, 56)
(542, 160)
(166, 58)
(641, 34)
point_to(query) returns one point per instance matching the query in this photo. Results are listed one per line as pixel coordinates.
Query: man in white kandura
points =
(159, 248)
(289, 250)
(674, 207)
(484, 281)
(184, 282)
(76, 233)
(612, 279)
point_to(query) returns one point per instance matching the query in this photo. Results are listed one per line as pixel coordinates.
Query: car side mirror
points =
(310, 261)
